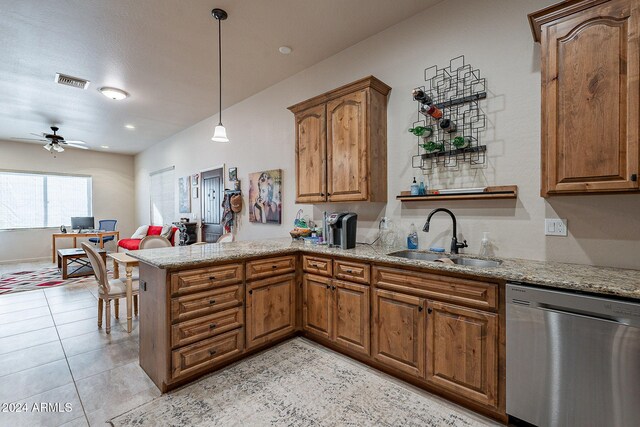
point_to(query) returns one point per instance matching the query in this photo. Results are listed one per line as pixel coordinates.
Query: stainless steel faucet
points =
(455, 246)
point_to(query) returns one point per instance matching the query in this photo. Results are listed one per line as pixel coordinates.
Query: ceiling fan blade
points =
(30, 139)
(38, 134)
(77, 146)
(74, 142)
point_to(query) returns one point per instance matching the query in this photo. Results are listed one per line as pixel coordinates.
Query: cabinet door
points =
(347, 150)
(311, 154)
(316, 305)
(270, 309)
(351, 316)
(462, 351)
(590, 97)
(399, 331)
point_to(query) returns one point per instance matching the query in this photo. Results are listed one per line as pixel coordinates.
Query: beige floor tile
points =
(22, 326)
(31, 357)
(30, 313)
(94, 362)
(75, 315)
(96, 339)
(64, 307)
(62, 405)
(78, 422)
(30, 382)
(22, 305)
(68, 298)
(8, 299)
(27, 339)
(78, 328)
(114, 392)
(65, 290)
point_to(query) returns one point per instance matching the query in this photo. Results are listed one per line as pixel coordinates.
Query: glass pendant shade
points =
(220, 134)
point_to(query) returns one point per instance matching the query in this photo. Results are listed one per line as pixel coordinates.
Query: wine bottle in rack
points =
(420, 96)
(448, 125)
(432, 111)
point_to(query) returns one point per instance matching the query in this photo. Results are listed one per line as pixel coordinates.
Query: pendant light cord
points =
(220, 69)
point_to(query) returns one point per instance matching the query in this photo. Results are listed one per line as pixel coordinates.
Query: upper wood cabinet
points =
(341, 144)
(590, 95)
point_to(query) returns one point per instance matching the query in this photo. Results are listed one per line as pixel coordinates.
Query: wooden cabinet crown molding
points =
(366, 82)
(557, 11)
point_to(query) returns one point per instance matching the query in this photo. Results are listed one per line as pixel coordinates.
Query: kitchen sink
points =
(427, 256)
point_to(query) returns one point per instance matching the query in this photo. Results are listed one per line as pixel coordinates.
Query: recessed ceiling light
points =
(113, 93)
(130, 126)
(104, 146)
(285, 50)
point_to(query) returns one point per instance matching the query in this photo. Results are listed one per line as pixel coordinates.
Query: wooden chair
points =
(108, 289)
(151, 242)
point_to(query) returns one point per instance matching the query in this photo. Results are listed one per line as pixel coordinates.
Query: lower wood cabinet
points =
(338, 311)
(399, 331)
(270, 309)
(462, 351)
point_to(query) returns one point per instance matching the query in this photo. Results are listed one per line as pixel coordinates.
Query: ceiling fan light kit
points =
(113, 93)
(219, 133)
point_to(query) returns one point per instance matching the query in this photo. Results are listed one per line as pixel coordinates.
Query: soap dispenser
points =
(485, 245)
(415, 188)
(412, 238)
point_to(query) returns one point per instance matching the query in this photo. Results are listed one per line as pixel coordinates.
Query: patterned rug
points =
(49, 277)
(298, 383)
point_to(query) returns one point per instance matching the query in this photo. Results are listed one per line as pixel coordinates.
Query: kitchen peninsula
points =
(438, 326)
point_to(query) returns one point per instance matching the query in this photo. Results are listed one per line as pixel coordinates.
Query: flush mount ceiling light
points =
(130, 127)
(113, 93)
(220, 133)
(285, 50)
(104, 146)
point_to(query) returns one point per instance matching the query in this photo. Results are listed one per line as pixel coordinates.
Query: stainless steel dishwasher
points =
(572, 359)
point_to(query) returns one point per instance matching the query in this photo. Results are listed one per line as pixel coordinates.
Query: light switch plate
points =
(555, 227)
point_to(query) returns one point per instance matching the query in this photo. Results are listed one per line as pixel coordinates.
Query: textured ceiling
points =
(163, 52)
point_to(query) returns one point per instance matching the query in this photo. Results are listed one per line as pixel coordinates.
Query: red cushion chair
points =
(154, 230)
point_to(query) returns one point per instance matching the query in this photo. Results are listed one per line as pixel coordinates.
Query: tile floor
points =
(51, 351)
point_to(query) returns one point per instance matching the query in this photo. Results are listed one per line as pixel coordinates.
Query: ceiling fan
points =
(55, 143)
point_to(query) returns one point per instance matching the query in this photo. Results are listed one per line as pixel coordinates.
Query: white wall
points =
(494, 36)
(113, 193)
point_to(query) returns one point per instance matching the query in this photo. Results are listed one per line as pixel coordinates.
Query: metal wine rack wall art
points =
(450, 120)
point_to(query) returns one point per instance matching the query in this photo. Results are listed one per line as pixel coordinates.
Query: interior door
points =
(212, 195)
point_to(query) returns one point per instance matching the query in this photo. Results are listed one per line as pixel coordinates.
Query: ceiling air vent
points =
(63, 79)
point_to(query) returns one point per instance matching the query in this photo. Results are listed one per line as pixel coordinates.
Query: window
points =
(37, 200)
(162, 189)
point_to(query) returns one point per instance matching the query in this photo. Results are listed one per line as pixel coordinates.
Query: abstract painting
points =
(265, 197)
(184, 194)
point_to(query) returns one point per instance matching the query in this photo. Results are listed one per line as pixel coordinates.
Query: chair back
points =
(99, 267)
(226, 238)
(152, 242)
(107, 224)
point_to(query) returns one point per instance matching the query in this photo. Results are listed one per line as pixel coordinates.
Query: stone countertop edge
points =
(610, 281)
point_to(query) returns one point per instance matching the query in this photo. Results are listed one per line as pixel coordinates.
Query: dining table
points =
(75, 236)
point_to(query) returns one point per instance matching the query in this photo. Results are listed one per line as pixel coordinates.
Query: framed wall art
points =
(265, 197)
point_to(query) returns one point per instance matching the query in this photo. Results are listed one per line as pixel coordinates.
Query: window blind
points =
(162, 196)
(38, 200)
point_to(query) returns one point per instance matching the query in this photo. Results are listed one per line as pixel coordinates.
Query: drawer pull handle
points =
(348, 270)
(274, 266)
(212, 301)
(211, 326)
(212, 277)
(212, 352)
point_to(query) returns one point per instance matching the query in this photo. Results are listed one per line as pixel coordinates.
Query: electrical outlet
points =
(555, 227)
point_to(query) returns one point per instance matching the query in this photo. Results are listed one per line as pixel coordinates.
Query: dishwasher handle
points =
(583, 315)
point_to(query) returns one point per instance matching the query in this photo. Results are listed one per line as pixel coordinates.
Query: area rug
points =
(298, 383)
(49, 277)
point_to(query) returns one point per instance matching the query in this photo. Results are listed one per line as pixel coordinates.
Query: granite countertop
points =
(577, 277)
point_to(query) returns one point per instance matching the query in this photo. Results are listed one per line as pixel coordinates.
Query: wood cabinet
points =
(341, 144)
(590, 96)
(337, 311)
(270, 309)
(462, 351)
(399, 331)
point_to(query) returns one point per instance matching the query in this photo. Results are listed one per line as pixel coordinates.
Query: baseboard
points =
(17, 261)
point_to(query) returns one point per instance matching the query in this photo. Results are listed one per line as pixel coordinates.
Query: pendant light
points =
(220, 133)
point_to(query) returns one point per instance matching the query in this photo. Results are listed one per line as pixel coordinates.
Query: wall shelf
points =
(496, 192)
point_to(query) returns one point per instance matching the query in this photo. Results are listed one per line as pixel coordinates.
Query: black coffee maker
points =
(342, 230)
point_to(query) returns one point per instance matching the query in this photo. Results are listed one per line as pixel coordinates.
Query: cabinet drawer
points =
(468, 292)
(352, 271)
(270, 267)
(205, 354)
(190, 331)
(206, 278)
(204, 303)
(317, 265)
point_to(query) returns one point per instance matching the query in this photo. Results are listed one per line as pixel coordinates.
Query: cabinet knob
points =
(212, 277)
(322, 194)
(333, 288)
(349, 270)
(430, 310)
(211, 326)
(274, 266)
(251, 292)
(419, 308)
(212, 352)
(212, 301)
(328, 286)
